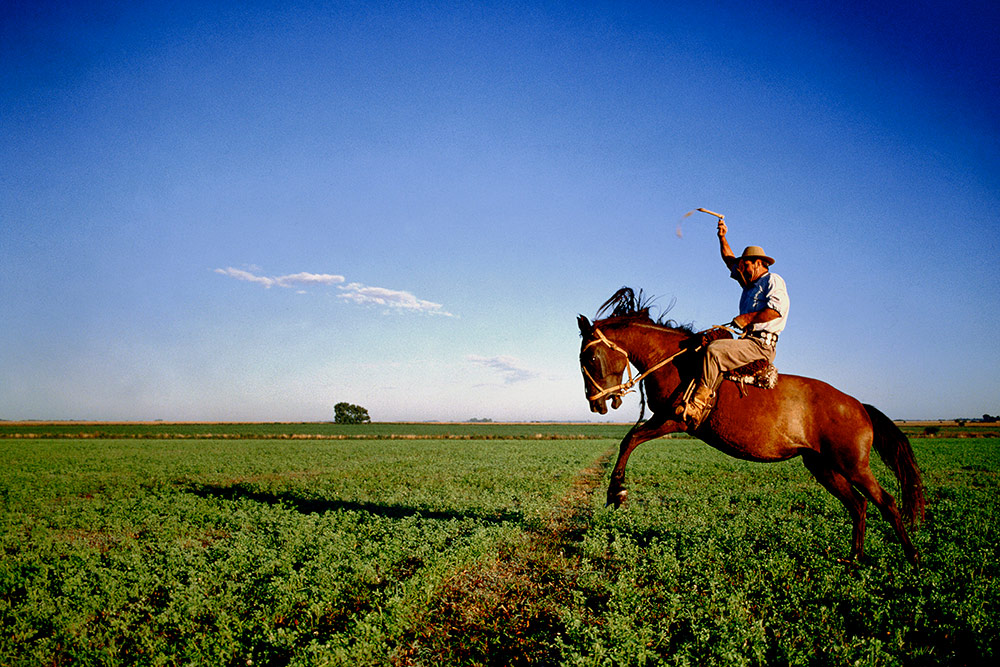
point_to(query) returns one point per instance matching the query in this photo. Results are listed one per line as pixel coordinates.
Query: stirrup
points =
(695, 411)
(695, 414)
(683, 403)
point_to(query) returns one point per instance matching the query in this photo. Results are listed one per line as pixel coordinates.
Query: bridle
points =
(624, 387)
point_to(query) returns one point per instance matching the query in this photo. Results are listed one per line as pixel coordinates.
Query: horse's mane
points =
(625, 304)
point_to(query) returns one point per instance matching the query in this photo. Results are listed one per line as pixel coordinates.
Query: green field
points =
(316, 430)
(455, 544)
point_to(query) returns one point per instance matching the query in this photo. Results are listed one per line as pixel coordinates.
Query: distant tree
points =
(990, 418)
(347, 413)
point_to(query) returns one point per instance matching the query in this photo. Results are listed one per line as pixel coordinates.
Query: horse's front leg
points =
(656, 427)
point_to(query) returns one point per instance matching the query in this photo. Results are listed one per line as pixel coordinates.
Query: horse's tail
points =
(894, 448)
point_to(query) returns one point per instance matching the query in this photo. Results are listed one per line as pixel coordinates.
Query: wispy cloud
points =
(291, 280)
(309, 279)
(247, 276)
(508, 367)
(358, 293)
(389, 298)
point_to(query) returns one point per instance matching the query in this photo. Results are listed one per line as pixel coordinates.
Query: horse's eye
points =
(601, 360)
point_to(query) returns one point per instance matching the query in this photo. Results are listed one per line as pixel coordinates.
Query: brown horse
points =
(831, 431)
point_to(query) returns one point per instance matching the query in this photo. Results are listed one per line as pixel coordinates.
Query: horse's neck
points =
(646, 344)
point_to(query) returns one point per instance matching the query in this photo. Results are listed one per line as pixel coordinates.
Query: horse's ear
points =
(585, 326)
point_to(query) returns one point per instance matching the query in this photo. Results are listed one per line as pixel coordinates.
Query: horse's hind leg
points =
(841, 489)
(865, 480)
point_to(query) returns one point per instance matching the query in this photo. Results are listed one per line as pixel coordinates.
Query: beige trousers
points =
(729, 354)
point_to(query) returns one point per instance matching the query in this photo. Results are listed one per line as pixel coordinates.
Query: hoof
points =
(617, 498)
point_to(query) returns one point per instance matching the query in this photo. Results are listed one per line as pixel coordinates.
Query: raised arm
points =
(728, 256)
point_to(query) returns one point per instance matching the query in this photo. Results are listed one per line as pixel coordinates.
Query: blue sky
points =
(255, 210)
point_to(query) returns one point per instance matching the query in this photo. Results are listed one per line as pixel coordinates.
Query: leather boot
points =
(694, 410)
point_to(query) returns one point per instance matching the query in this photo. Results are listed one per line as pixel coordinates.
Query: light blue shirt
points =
(768, 291)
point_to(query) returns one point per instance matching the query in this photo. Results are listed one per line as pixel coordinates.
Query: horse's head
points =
(602, 364)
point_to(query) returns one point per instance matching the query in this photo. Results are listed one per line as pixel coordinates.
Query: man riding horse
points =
(797, 416)
(763, 311)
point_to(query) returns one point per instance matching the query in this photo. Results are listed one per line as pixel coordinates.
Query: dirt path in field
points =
(572, 512)
(509, 609)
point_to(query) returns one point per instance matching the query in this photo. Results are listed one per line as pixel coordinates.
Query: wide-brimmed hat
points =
(755, 252)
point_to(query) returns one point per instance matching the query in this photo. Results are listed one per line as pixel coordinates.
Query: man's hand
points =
(741, 321)
(722, 228)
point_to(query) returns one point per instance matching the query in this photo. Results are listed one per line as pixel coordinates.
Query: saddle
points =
(758, 373)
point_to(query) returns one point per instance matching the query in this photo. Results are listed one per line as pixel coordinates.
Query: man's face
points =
(750, 269)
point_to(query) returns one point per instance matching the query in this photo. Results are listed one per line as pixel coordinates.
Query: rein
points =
(626, 387)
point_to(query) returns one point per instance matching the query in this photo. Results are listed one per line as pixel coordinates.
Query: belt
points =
(766, 337)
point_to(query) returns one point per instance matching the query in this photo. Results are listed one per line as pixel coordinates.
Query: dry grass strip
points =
(507, 609)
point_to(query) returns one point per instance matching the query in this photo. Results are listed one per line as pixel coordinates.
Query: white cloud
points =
(389, 298)
(353, 292)
(247, 276)
(309, 279)
(509, 367)
(283, 281)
